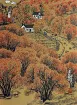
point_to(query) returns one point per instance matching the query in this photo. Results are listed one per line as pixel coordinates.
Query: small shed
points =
(37, 15)
(28, 27)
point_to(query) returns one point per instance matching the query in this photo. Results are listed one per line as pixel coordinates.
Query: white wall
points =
(37, 16)
(28, 29)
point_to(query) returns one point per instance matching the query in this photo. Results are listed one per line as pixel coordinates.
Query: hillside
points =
(39, 66)
(59, 22)
(26, 60)
(31, 63)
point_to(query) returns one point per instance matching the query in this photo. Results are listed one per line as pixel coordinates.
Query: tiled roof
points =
(28, 26)
(37, 13)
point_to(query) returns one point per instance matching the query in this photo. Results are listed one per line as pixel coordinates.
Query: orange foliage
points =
(15, 29)
(8, 40)
(70, 31)
(4, 53)
(70, 90)
(54, 64)
(9, 69)
(9, 64)
(70, 57)
(40, 76)
(73, 19)
(39, 24)
(70, 60)
(23, 53)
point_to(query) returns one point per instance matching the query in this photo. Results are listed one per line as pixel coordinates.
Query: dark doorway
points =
(30, 30)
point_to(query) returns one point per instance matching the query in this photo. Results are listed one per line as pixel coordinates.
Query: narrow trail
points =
(65, 45)
(60, 42)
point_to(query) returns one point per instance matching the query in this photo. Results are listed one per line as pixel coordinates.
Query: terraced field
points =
(52, 41)
(40, 38)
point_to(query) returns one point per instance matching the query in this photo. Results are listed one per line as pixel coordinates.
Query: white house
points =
(28, 28)
(37, 15)
(7, 1)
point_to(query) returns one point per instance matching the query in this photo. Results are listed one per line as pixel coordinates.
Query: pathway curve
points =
(65, 45)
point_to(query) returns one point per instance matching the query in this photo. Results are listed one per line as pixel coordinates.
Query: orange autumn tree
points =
(70, 31)
(73, 6)
(27, 42)
(43, 80)
(26, 56)
(8, 40)
(57, 25)
(70, 60)
(62, 8)
(9, 69)
(70, 57)
(54, 64)
(39, 25)
(73, 19)
(15, 29)
(43, 50)
(4, 53)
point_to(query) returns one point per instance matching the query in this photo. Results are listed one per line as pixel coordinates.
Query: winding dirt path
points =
(65, 45)
(56, 39)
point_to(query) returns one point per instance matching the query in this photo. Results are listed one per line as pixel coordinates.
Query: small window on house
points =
(27, 29)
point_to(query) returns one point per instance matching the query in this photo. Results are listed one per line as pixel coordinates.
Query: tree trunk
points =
(45, 95)
(6, 91)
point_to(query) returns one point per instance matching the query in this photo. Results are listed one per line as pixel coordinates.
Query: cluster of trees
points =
(24, 62)
(57, 15)
(70, 31)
